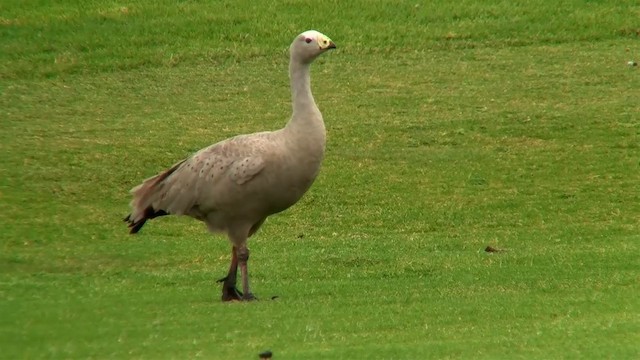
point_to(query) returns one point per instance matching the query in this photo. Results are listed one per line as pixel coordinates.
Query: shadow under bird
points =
(234, 185)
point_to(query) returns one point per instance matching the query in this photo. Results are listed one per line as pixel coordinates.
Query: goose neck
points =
(302, 99)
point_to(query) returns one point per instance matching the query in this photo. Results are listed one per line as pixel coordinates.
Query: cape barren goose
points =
(232, 186)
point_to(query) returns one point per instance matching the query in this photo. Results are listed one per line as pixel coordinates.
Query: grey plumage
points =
(234, 185)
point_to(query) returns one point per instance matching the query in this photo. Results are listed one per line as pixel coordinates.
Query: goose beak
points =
(332, 45)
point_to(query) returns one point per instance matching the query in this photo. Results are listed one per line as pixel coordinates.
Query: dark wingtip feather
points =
(149, 213)
(135, 227)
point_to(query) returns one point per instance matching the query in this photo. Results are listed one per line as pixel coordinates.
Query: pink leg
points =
(229, 290)
(243, 258)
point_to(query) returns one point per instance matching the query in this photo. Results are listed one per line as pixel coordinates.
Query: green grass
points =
(452, 126)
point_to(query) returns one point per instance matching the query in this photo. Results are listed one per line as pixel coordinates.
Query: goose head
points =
(308, 45)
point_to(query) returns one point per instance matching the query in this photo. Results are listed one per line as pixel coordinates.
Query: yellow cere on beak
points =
(324, 42)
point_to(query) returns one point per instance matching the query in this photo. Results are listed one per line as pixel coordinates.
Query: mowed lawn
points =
(452, 126)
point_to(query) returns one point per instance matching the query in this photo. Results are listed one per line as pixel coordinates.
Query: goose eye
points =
(307, 40)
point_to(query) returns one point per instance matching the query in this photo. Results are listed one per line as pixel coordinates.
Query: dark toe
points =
(231, 293)
(249, 297)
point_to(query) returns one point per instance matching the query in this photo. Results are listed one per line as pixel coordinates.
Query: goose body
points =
(234, 185)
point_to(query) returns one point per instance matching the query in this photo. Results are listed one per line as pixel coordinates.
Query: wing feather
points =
(192, 184)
